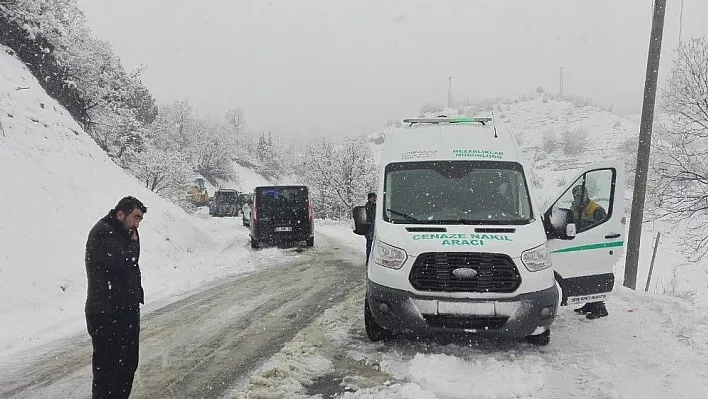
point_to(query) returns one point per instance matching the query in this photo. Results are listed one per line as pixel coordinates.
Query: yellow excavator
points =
(197, 194)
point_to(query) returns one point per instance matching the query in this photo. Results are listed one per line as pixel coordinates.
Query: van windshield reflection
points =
(456, 192)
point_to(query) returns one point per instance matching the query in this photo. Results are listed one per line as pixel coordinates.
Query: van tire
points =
(540, 339)
(373, 330)
(310, 242)
(254, 243)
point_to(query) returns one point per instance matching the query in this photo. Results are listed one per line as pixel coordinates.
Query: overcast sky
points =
(324, 67)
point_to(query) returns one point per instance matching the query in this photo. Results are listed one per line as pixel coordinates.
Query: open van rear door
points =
(583, 257)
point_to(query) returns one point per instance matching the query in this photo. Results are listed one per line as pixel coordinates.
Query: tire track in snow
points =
(200, 345)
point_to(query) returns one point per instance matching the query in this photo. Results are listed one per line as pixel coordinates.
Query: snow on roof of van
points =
(450, 141)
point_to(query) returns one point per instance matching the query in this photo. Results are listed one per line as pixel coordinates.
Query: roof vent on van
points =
(426, 229)
(444, 119)
(493, 230)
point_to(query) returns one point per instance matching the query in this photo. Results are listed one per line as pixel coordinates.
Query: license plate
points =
(574, 300)
(466, 308)
(279, 229)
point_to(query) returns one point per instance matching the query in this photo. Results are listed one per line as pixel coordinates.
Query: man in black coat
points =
(370, 218)
(114, 296)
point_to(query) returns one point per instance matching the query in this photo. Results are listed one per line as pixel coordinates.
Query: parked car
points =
(224, 203)
(281, 214)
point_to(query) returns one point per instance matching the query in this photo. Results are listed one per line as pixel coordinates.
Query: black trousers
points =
(115, 338)
(369, 241)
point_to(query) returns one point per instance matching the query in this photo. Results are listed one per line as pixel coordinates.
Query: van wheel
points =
(254, 243)
(310, 242)
(373, 330)
(540, 339)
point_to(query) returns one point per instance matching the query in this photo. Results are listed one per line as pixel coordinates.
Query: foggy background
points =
(314, 67)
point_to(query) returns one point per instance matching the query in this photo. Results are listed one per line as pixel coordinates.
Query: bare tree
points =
(549, 142)
(573, 142)
(680, 181)
(686, 93)
(234, 117)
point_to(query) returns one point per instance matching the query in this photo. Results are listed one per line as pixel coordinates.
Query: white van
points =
(461, 246)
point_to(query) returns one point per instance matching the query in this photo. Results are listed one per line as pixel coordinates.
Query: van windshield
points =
(456, 192)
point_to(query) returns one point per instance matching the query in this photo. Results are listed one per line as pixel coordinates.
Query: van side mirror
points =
(558, 223)
(570, 230)
(361, 225)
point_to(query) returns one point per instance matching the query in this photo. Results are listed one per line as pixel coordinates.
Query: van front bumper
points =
(404, 312)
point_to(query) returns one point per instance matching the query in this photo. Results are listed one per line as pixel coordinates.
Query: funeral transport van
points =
(460, 245)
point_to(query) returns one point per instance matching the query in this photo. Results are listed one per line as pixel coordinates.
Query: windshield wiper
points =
(408, 217)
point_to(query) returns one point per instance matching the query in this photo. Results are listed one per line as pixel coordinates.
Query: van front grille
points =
(492, 272)
(466, 322)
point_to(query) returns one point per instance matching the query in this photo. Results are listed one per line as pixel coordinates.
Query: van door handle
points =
(611, 236)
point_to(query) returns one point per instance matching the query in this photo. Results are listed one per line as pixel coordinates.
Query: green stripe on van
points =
(591, 246)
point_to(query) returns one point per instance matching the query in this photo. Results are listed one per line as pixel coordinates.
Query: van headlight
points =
(536, 259)
(388, 256)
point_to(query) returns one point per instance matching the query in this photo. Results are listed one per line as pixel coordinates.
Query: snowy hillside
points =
(244, 181)
(532, 121)
(56, 184)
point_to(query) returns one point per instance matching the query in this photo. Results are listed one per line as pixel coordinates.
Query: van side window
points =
(589, 199)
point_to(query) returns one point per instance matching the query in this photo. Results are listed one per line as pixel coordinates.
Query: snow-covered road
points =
(201, 345)
(649, 347)
(294, 327)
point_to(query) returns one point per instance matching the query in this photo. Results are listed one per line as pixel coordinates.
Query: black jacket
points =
(370, 216)
(114, 280)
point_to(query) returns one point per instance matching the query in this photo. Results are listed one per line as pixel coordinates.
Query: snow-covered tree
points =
(180, 121)
(234, 118)
(163, 171)
(340, 174)
(264, 148)
(160, 166)
(212, 150)
(680, 169)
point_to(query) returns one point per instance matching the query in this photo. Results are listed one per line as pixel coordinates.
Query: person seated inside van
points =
(586, 212)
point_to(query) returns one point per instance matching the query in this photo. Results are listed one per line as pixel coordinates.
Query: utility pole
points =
(561, 81)
(644, 146)
(449, 91)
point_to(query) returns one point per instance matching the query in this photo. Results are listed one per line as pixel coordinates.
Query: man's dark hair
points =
(371, 195)
(127, 204)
